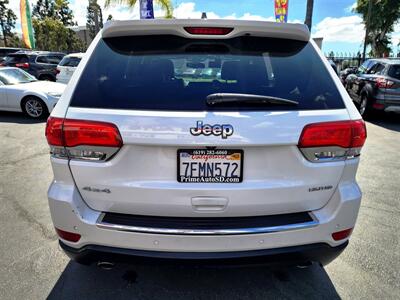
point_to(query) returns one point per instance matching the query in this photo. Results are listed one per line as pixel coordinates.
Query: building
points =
(83, 34)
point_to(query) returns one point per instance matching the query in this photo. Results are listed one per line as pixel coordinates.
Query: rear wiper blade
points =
(221, 98)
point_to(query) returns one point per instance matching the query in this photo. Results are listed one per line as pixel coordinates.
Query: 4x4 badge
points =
(223, 130)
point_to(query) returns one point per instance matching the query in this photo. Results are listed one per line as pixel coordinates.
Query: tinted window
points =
(42, 60)
(366, 66)
(376, 69)
(174, 73)
(54, 59)
(14, 59)
(394, 71)
(70, 61)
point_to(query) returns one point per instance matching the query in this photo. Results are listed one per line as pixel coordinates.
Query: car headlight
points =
(54, 94)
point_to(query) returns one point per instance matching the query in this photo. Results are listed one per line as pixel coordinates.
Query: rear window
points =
(54, 59)
(49, 59)
(14, 59)
(394, 71)
(70, 61)
(175, 73)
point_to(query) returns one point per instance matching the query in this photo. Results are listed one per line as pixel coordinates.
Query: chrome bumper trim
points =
(237, 231)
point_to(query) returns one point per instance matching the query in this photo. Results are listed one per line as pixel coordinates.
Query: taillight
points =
(68, 236)
(54, 131)
(22, 65)
(81, 139)
(58, 71)
(341, 235)
(332, 140)
(384, 83)
(91, 133)
(209, 30)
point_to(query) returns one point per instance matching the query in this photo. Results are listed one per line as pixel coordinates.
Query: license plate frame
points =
(218, 152)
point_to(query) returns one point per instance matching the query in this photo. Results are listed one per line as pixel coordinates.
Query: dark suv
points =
(376, 86)
(40, 64)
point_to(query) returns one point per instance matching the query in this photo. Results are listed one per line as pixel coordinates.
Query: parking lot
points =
(33, 266)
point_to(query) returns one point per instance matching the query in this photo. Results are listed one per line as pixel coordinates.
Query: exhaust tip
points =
(105, 265)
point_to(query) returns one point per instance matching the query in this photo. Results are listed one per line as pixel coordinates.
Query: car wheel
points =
(362, 107)
(34, 108)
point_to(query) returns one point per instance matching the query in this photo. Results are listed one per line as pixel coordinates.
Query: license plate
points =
(210, 165)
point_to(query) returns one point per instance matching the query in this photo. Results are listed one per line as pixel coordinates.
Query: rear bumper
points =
(320, 252)
(70, 213)
(387, 105)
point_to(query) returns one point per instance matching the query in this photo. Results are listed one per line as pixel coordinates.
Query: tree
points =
(309, 12)
(15, 41)
(56, 9)
(380, 23)
(94, 17)
(51, 21)
(43, 9)
(52, 35)
(165, 5)
(7, 21)
(64, 13)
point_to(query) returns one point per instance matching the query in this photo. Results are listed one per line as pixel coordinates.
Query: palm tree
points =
(165, 5)
(310, 6)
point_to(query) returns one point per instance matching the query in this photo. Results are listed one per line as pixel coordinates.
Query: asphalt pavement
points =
(33, 267)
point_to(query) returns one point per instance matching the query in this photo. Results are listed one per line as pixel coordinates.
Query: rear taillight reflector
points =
(341, 235)
(58, 71)
(378, 106)
(68, 236)
(345, 134)
(209, 30)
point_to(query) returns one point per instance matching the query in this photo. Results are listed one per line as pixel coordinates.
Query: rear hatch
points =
(172, 135)
(66, 68)
(17, 60)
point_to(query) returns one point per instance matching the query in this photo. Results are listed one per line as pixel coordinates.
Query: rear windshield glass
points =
(175, 73)
(70, 61)
(12, 59)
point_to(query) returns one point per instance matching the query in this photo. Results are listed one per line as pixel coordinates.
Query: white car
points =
(67, 67)
(20, 91)
(255, 164)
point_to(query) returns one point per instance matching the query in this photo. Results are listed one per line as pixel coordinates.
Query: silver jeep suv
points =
(204, 140)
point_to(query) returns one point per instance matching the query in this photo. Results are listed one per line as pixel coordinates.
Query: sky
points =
(333, 20)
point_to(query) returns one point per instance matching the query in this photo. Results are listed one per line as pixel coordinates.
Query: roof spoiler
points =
(298, 32)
